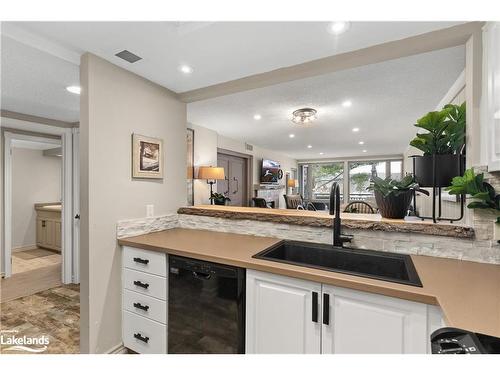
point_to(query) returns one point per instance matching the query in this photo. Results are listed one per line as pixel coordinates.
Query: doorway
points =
(236, 184)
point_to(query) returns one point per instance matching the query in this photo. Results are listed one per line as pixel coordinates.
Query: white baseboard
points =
(24, 248)
(119, 349)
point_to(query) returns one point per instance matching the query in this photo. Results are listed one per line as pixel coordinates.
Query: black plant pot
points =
(447, 167)
(394, 206)
(220, 202)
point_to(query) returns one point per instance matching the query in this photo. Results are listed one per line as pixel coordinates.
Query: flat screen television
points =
(270, 172)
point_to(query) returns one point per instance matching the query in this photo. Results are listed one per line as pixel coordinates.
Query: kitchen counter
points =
(323, 219)
(467, 292)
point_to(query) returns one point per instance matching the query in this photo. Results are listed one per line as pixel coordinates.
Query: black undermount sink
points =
(397, 268)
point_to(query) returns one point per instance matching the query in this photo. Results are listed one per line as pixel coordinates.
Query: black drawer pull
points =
(137, 305)
(326, 309)
(315, 307)
(141, 284)
(138, 336)
(140, 260)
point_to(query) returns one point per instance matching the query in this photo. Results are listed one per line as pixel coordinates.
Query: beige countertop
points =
(323, 219)
(467, 292)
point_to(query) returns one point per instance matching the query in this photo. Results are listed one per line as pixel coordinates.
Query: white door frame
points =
(70, 263)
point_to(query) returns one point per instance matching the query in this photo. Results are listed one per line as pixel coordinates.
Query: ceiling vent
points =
(248, 147)
(128, 56)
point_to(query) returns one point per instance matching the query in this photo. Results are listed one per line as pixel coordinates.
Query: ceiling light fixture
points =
(186, 69)
(304, 116)
(257, 117)
(321, 153)
(355, 130)
(291, 135)
(309, 146)
(339, 27)
(346, 103)
(74, 89)
(361, 142)
(497, 115)
(364, 150)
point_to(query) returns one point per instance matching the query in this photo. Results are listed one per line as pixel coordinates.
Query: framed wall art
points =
(147, 157)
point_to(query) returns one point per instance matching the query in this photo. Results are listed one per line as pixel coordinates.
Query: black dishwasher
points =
(206, 307)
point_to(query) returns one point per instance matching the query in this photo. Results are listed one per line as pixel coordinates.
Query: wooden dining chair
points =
(359, 207)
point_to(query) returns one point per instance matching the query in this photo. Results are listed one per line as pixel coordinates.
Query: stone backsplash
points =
(480, 249)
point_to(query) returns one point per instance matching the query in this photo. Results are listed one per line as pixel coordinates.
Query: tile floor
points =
(54, 313)
(29, 260)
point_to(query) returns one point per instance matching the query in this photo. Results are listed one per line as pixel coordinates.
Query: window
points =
(353, 176)
(360, 174)
(317, 180)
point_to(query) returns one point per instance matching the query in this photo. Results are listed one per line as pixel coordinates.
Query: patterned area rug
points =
(45, 322)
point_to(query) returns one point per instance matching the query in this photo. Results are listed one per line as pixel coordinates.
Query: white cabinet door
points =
(370, 323)
(279, 314)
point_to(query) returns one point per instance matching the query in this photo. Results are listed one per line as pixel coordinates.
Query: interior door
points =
(235, 185)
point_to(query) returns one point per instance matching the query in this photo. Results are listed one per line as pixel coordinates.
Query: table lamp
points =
(211, 174)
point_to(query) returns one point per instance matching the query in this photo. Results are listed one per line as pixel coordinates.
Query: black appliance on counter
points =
(206, 307)
(458, 341)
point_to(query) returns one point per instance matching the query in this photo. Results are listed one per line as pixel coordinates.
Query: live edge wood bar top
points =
(323, 219)
(467, 292)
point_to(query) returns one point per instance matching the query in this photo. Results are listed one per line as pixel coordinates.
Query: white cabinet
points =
(490, 113)
(144, 300)
(281, 314)
(367, 323)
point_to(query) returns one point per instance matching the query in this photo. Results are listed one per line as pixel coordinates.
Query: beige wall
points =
(114, 104)
(205, 154)
(35, 179)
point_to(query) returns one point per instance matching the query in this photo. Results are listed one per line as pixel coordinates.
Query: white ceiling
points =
(34, 82)
(386, 98)
(217, 51)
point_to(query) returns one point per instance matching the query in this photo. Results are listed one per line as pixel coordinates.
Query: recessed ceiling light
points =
(321, 153)
(186, 69)
(339, 27)
(291, 135)
(309, 146)
(74, 89)
(346, 103)
(257, 117)
(364, 150)
(355, 130)
(497, 115)
(361, 142)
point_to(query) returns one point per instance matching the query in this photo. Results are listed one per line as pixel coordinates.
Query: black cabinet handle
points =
(140, 260)
(138, 336)
(137, 305)
(141, 284)
(315, 307)
(326, 309)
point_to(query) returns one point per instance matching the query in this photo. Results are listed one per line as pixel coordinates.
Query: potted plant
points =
(219, 199)
(393, 197)
(483, 195)
(442, 144)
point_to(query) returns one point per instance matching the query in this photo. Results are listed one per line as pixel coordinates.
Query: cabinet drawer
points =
(144, 260)
(143, 335)
(145, 283)
(146, 306)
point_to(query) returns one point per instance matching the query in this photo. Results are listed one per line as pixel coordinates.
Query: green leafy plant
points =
(445, 131)
(390, 186)
(483, 194)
